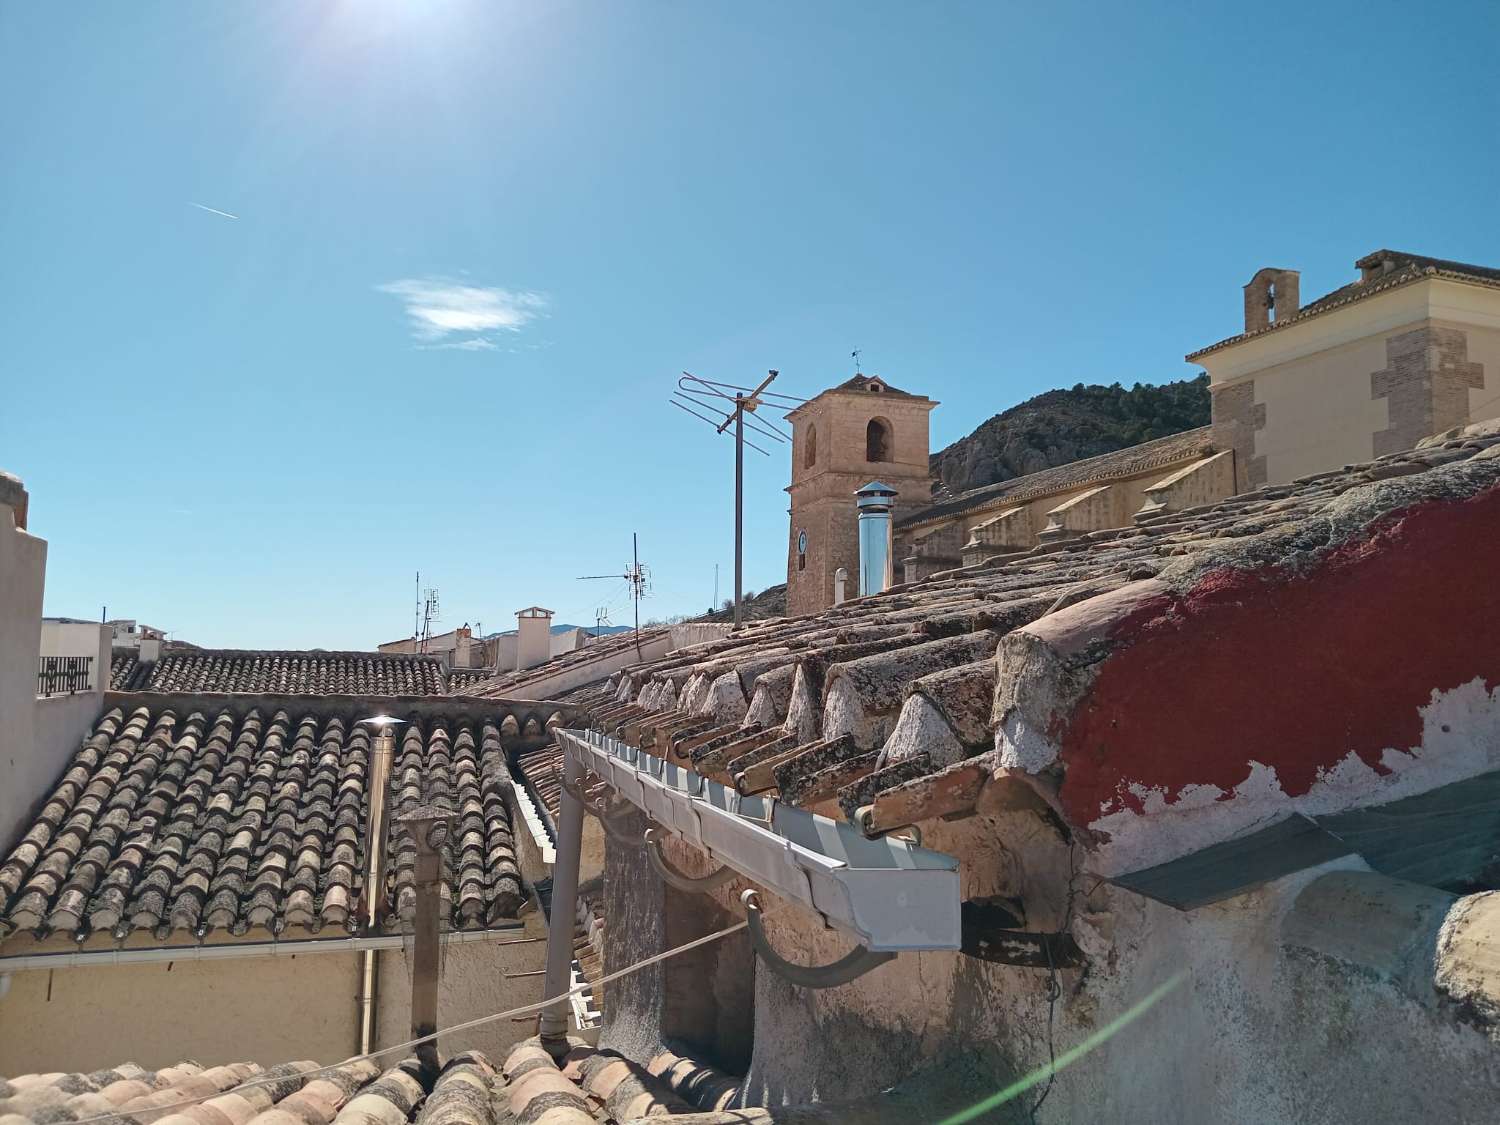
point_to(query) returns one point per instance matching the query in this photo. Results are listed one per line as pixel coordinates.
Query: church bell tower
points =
(861, 430)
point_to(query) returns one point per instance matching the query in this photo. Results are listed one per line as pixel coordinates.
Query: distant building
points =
(1407, 350)
(457, 647)
(129, 633)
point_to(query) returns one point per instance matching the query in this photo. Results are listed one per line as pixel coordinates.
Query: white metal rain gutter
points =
(886, 893)
(81, 958)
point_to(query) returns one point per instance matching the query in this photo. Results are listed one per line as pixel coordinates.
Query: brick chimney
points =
(1271, 298)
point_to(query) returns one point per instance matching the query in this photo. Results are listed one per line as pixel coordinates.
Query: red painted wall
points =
(1292, 670)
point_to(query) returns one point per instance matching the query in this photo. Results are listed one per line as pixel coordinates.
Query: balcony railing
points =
(65, 675)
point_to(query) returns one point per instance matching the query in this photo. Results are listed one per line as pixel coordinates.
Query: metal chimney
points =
(372, 908)
(876, 552)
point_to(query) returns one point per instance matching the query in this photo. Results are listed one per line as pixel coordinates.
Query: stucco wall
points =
(1256, 1030)
(23, 561)
(475, 981)
(257, 1009)
(59, 725)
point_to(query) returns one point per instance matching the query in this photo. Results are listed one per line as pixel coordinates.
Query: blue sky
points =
(477, 241)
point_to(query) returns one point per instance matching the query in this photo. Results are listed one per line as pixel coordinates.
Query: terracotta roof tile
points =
(284, 672)
(290, 672)
(193, 820)
(844, 704)
(297, 1093)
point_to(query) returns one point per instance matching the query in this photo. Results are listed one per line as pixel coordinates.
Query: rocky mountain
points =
(770, 602)
(1067, 425)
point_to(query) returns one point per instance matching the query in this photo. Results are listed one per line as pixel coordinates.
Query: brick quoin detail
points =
(1236, 418)
(1426, 385)
(1294, 671)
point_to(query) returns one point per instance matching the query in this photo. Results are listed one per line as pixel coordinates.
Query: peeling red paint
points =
(1294, 671)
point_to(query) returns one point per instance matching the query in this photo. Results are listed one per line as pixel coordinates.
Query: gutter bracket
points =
(853, 965)
(700, 884)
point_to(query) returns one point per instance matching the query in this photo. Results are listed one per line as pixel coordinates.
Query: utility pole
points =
(745, 400)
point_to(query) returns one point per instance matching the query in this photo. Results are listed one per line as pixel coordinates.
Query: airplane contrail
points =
(212, 210)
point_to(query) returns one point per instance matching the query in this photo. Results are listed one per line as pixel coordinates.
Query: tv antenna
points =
(745, 402)
(427, 610)
(637, 577)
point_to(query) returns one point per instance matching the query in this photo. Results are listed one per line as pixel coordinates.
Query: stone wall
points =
(1426, 384)
(1252, 1028)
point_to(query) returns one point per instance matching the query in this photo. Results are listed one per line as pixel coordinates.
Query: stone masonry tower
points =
(841, 440)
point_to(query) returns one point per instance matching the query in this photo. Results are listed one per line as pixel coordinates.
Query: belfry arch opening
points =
(878, 440)
(810, 448)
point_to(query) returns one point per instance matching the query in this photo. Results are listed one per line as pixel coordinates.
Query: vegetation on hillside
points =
(1067, 425)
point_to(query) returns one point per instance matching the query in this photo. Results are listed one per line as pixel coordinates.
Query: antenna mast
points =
(746, 401)
(429, 618)
(637, 577)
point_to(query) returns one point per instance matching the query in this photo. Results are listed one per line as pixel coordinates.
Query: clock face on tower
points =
(802, 542)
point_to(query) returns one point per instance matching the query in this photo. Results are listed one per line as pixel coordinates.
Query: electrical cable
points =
(1054, 986)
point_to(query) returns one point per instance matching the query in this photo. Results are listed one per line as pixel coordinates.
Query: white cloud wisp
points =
(448, 314)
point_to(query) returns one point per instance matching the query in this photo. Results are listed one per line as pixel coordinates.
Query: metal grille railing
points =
(64, 675)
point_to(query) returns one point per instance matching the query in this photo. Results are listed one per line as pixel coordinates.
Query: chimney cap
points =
(533, 611)
(381, 721)
(875, 497)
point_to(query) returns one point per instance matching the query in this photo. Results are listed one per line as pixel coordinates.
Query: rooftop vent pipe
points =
(876, 554)
(372, 908)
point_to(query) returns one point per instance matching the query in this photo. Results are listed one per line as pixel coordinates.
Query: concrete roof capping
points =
(1406, 268)
(177, 820)
(1088, 676)
(514, 684)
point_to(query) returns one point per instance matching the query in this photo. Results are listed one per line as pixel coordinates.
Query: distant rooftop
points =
(1163, 451)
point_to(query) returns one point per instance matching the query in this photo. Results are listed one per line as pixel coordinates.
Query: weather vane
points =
(855, 355)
